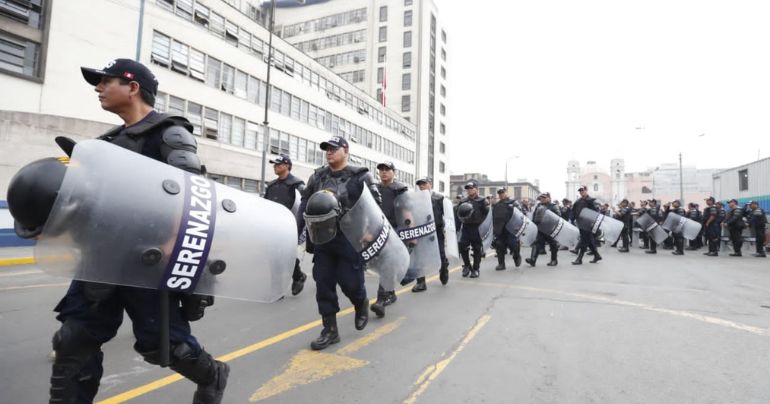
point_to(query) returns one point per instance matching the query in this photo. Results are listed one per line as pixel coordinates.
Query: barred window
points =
(238, 132)
(211, 122)
(27, 12)
(197, 65)
(161, 49)
(195, 116)
(179, 57)
(214, 73)
(225, 127)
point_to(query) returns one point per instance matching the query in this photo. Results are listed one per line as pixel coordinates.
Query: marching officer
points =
(735, 225)
(678, 238)
(284, 190)
(389, 189)
(587, 240)
(655, 213)
(471, 212)
(502, 211)
(711, 223)
(542, 238)
(437, 200)
(758, 221)
(624, 215)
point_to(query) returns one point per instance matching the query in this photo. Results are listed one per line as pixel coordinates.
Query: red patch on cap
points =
(128, 75)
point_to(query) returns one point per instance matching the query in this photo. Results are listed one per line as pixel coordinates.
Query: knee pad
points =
(74, 340)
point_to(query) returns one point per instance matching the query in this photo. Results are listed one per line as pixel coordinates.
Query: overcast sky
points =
(555, 80)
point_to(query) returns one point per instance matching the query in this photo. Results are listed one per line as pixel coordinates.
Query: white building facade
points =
(210, 60)
(395, 50)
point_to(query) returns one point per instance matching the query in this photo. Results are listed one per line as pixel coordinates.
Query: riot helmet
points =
(465, 211)
(32, 193)
(321, 216)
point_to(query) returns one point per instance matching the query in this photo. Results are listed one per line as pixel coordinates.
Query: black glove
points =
(193, 306)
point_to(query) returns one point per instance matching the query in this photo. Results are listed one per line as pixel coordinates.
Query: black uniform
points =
(758, 222)
(624, 215)
(337, 262)
(645, 239)
(735, 225)
(657, 215)
(470, 238)
(284, 191)
(712, 229)
(437, 200)
(542, 238)
(91, 313)
(678, 238)
(586, 237)
(502, 211)
(389, 194)
(695, 215)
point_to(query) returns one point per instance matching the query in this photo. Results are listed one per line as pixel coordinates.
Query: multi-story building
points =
(395, 50)
(520, 189)
(210, 59)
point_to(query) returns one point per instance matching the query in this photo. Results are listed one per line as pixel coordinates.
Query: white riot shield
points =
(295, 207)
(371, 235)
(652, 228)
(450, 232)
(522, 227)
(416, 227)
(125, 219)
(486, 231)
(591, 220)
(680, 224)
(559, 229)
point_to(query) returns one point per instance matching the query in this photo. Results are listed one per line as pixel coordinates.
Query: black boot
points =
(579, 259)
(209, 374)
(596, 258)
(517, 255)
(553, 262)
(532, 260)
(420, 286)
(500, 262)
(298, 280)
(443, 274)
(379, 306)
(362, 315)
(466, 271)
(329, 334)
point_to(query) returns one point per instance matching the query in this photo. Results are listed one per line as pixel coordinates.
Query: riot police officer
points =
(91, 313)
(587, 241)
(502, 211)
(678, 238)
(711, 224)
(694, 214)
(437, 200)
(654, 211)
(471, 212)
(758, 222)
(283, 190)
(735, 225)
(544, 204)
(645, 239)
(336, 261)
(389, 189)
(624, 215)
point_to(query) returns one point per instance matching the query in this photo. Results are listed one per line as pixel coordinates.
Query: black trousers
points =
(759, 233)
(587, 241)
(470, 239)
(736, 238)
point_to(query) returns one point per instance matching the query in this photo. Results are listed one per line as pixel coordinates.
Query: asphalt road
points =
(633, 328)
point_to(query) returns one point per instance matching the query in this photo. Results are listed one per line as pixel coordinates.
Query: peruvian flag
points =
(384, 87)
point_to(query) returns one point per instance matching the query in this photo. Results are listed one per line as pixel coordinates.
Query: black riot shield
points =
(559, 229)
(680, 224)
(593, 221)
(125, 219)
(520, 226)
(371, 235)
(652, 228)
(416, 227)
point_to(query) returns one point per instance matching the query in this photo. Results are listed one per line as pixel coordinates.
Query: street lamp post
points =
(266, 123)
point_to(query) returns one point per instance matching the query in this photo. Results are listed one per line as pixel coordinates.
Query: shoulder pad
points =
(178, 148)
(357, 169)
(436, 196)
(293, 180)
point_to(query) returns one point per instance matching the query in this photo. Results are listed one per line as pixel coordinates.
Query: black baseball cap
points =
(582, 188)
(501, 190)
(710, 198)
(471, 184)
(281, 159)
(335, 142)
(732, 200)
(544, 195)
(565, 200)
(128, 69)
(424, 180)
(386, 165)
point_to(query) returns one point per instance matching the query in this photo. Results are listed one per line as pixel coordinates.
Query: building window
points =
(383, 34)
(407, 3)
(443, 91)
(743, 180)
(383, 13)
(443, 54)
(19, 55)
(27, 12)
(442, 167)
(441, 147)
(443, 35)
(441, 186)
(442, 109)
(406, 102)
(407, 60)
(596, 187)
(443, 72)
(596, 177)
(380, 74)
(381, 54)
(406, 81)
(407, 39)
(408, 18)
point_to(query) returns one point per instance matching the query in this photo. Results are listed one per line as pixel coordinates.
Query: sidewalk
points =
(16, 256)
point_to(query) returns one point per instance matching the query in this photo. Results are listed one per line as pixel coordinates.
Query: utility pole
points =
(266, 123)
(681, 183)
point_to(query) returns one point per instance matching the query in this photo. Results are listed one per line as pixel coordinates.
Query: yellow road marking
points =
(312, 366)
(433, 371)
(16, 261)
(680, 313)
(41, 285)
(157, 384)
(27, 272)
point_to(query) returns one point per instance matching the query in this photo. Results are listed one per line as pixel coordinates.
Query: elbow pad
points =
(178, 149)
